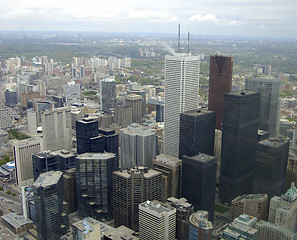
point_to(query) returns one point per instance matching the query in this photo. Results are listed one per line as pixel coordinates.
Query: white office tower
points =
(181, 95)
(72, 93)
(32, 121)
(57, 129)
(138, 146)
(156, 221)
(22, 153)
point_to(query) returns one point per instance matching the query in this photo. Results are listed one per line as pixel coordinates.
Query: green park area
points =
(220, 209)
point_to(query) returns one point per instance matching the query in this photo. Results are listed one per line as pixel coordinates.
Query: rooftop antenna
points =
(188, 42)
(178, 43)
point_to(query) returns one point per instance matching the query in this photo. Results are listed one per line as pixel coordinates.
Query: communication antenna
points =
(188, 42)
(178, 43)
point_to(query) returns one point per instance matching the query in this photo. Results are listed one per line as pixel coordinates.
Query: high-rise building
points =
(239, 139)
(56, 129)
(283, 209)
(200, 226)
(138, 146)
(183, 213)
(220, 82)
(181, 95)
(72, 93)
(5, 118)
(135, 102)
(171, 169)
(199, 182)
(269, 102)
(94, 184)
(252, 204)
(270, 167)
(70, 196)
(123, 116)
(22, 153)
(111, 140)
(130, 188)
(107, 94)
(32, 121)
(10, 98)
(197, 132)
(156, 221)
(51, 210)
(140, 93)
(272, 231)
(87, 136)
(86, 229)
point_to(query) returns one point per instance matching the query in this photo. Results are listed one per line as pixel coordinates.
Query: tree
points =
(8, 192)
(13, 194)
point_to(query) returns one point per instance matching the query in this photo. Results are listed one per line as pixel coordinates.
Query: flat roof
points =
(168, 160)
(105, 155)
(273, 142)
(157, 206)
(7, 235)
(245, 197)
(48, 178)
(126, 173)
(16, 220)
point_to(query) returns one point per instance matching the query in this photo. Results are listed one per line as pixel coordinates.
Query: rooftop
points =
(105, 155)
(198, 219)
(87, 225)
(5, 234)
(273, 142)
(247, 197)
(157, 206)
(16, 220)
(137, 129)
(291, 194)
(148, 173)
(168, 160)
(198, 112)
(121, 233)
(48, 178)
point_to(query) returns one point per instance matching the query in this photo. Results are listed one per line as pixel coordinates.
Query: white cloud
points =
(211, 18)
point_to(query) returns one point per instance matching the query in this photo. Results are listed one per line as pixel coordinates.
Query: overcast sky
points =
(256, 18)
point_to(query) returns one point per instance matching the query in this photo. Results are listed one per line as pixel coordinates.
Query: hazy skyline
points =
(255, 18)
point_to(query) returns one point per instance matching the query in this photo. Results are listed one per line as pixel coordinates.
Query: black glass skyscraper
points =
(197, 132)
(94, 184)
(271, 166)
(10, 98)
(199, 181)
(239, 139)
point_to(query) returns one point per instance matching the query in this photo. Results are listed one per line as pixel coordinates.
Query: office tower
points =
(220, 82)
(171, 169)
(111, 140)
(10, 98)
(138, 146)
(130, 188)
(69, 179)
(107, 94)
(59, 101)
(32, 121)
(156, 221)
(283, 209)
(56, 129)
(141, 93)
(183, 212)
(86, 229)
(39, 107)
(268, 112)
(5, 118)
(135, 102)
(82, 71)
(123, 116)
(87, 136)
(181, 95)
(200, 227)
(239, 139)
(271, 231)
(242, 227)
(160, 112)
(197, 132)
(94, 184)
(270, 167)
(51, 210)
(199, 182)
(251, 204)
(72, 93)
(22, 153)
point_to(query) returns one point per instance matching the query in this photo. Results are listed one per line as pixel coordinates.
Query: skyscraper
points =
(22, 153)
(72, 92)
(94, 184)
(107, 94)
(239, 139)
(138, 146)
(269, 102)
(51, 211)
(135, 102)
(197, 132)
(220, 82)
(56, 129)
(200, 226)
(171, 169)
(199, 182)
(130, 188)
(156, 221)
(10, 98)
(181, 95)
(271, 166)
